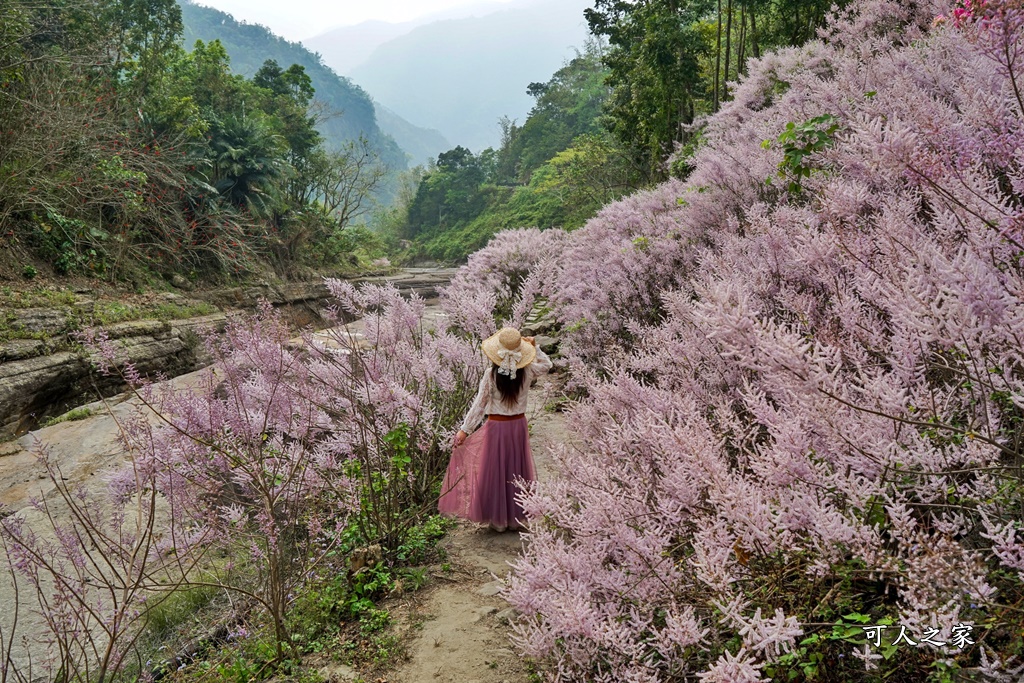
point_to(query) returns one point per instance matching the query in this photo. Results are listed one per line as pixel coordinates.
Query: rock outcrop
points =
(47, 372)
(36, 383)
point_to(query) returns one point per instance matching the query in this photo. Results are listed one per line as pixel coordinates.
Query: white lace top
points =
(488, 398)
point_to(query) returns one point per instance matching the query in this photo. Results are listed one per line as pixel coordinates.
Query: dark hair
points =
(508, 388)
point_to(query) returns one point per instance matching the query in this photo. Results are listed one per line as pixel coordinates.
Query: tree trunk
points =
(728, 43)
(718, 53)
(794, 37)
(742, 47)
(753, 35)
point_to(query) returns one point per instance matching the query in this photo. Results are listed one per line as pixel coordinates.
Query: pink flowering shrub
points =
(280, 457)
(85, 590)
(812, 412)
(398, 400)
(610, 274)
(248, 462)
(501, 283)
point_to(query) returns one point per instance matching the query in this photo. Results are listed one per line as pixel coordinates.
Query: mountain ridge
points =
(249, 45)
(425, 77)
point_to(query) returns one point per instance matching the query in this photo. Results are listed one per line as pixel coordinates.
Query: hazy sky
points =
(299, 19)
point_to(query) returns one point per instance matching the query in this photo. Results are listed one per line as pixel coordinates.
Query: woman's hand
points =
(529, 340)
(460, 438)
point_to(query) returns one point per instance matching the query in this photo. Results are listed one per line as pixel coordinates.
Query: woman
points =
(480, 482)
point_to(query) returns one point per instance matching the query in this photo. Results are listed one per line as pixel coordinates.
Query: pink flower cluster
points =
(502, 282)
(264, 461)
(964, 12)
(821, 384)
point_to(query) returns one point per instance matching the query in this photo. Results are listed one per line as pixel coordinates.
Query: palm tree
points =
(248, 163)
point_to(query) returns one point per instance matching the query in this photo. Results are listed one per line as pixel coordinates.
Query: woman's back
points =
(487, 468)
(490, 400)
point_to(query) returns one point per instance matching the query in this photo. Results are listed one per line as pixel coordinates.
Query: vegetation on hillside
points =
(623, 114)
(672, 61)
(126, 156)
(554, 170)
(345, 111)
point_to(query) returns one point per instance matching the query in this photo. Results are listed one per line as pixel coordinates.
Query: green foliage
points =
(450, 194)
(799, 142)
(570, 104)
(248, 159)
(251, 46)
(336, 612)
(181, 608)
(130, 156)
(421, 540)
(343, 249)
(324, 608)
(586, 176)
(654, 73)
(670, 60)
(146, 35)
(556, 170)
(35, 297)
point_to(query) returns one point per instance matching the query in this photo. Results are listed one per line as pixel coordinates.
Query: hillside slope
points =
(249, 45)
(421, 144)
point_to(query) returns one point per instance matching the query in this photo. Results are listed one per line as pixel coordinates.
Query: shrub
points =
(809, 419)
(254, 480)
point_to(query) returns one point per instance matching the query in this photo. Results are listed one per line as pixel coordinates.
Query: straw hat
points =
(506, 349)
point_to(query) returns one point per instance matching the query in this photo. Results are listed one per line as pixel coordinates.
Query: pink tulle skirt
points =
(481, 482)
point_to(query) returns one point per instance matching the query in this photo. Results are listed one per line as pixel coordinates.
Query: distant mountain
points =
(249, 45)
(460, 76)
(346, 47)
(421, 144)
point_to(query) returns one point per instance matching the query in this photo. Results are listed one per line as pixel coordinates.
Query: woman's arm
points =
(476, 411)
(541, 364)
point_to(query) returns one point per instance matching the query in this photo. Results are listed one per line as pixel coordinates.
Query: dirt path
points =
(464, 637)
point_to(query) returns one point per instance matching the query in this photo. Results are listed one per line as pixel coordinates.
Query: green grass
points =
(557, 405)
(111, 312)
(37, 297)
(70, 416)
(337, 614)
(114, 311)
(180, 608)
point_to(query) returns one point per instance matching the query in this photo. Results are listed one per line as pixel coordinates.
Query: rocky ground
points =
(44, 370)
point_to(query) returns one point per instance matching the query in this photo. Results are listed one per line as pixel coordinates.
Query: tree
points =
(247, 162)
(144, 37)
(670, 60)
(654, 72)
(450, 193)
(347, 180)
